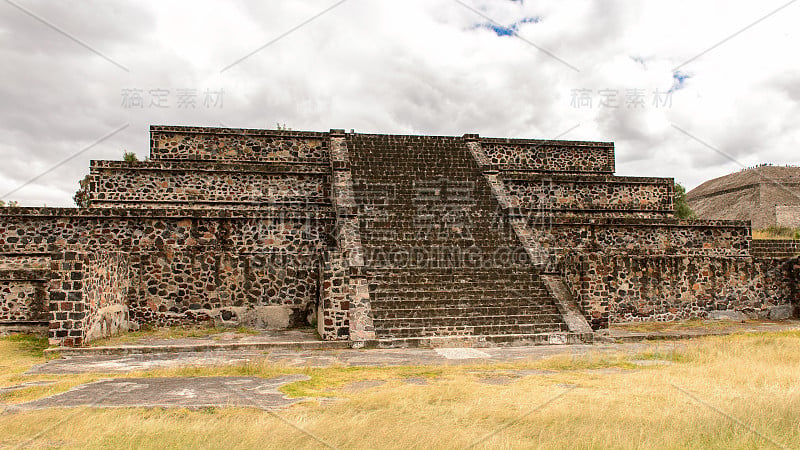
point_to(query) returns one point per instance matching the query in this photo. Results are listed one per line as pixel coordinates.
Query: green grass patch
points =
(28, 344)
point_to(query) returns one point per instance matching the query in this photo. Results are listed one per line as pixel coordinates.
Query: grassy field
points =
(740, 391)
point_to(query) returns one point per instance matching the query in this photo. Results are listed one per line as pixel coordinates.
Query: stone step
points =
(443, 228)
(422, 246)
(436, 178)
(446, 230)
(455, 275)
(394, 212)
(469, 330)
(386, 255)
(380, 312)
(436, 264)
(445, 285)
(382, 190)
(400, 165)
(424, 218)
(415, 282)
(483, 341)
(435, 254)
(473, 290)
(457, 321)
(392, 303)
(404, 166)
(461, 271)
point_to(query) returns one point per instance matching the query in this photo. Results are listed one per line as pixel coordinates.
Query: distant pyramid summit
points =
(764, 195)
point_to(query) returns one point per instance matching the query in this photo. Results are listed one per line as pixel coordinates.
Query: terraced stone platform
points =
(378, 240)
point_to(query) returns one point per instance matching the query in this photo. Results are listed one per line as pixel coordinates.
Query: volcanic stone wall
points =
(333, 311)
(158, 184)
(561, 194)
(546, 156)
(637, 269)
(624, 270)
(88, 295)
(24, 283)
(622, 287)
(569, 178)
(24, 287)
(652, 236)
(67, 307)
(106, 283)
(616, 242)
(232, 144)
(23, 295)
(188, 265)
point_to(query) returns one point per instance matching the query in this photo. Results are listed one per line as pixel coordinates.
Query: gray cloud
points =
(391, 67)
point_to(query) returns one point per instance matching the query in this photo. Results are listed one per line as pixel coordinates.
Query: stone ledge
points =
(157, 213)
(313, 203)
(202, 165)
(641, 221)
(502, 168)
(601, 178)
(548, 142)
(403, 137)
(499, 340)
(235, 131)
(143, 349)
(25, 275)
(556, 211)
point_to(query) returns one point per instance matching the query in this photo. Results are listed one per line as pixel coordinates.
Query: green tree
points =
(81, 197)
(682, 208)
(129, 157)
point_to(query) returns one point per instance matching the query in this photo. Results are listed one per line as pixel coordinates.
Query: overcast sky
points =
(686, 89)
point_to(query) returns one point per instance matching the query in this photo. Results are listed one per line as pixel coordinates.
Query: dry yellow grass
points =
(17, 354)
(682, 325)
(740, 391)
(777, 233)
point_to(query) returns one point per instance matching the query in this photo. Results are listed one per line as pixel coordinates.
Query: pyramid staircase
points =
(444, 264)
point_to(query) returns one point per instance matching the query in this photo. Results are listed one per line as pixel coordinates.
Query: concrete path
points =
(304, 338)
(320, 358)
(618, 339)
(194, 392)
